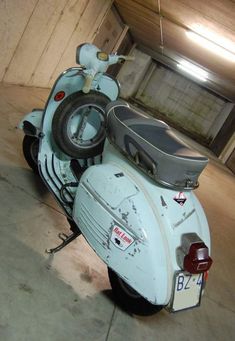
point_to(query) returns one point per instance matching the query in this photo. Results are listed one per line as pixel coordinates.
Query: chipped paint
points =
(125, 217)
(94, 192)
(164, 204)
(118, 221)
(133, 253)
(185, 217)
(134, 208)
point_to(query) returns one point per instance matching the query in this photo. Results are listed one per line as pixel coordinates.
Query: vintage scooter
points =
(124, 181)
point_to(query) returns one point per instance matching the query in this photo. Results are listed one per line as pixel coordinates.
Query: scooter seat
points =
(152, 145)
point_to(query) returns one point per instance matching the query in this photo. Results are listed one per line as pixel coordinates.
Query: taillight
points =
(197, 260)
(193, 255)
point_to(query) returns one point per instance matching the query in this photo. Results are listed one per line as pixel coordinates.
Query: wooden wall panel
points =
(35, 37)
(213, 11)
(38, 38)
(109, 32)
(58, 42)
(85, 31)
(14, 16)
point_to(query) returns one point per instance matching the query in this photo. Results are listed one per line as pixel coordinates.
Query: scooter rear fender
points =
(136, 226)
(120, 226)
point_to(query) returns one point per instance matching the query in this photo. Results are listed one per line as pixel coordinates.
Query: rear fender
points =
(119, 224)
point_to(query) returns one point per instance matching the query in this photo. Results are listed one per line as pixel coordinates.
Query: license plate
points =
(187, 291)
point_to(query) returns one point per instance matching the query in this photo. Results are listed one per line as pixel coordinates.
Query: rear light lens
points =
(197, 260)
(193, 255)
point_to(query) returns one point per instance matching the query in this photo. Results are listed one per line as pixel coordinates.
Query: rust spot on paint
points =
(164, 204)
(125, 217)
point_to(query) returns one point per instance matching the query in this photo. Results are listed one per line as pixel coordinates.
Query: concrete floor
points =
(68, 297)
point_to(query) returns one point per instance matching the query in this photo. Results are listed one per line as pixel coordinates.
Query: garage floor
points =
(68, 296)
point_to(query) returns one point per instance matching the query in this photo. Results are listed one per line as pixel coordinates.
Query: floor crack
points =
(110, 324)
(3, 178)
(221, 305)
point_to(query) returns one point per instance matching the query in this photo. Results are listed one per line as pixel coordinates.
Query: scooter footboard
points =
(119, 224)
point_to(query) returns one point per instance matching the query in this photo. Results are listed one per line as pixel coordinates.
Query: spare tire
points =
(78, 125)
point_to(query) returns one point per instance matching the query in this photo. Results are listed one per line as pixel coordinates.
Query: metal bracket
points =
(66, 239)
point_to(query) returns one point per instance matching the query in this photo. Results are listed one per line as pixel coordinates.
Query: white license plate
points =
(187, 291)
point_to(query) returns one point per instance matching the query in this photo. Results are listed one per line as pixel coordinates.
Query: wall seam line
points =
(46, 46)
(19, 41)
(68, 41)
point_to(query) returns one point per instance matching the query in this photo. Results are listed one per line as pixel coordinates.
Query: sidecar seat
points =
(153, 147)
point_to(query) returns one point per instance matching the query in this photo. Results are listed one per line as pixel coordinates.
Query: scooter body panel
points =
(136, 226)
(54, 165)
(71, 81)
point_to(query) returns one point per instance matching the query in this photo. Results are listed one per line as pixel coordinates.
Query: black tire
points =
(73, 226)
(129, 299)
(68, 125)
(30, 150)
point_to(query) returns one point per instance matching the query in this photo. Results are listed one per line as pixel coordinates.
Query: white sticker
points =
(120, 238)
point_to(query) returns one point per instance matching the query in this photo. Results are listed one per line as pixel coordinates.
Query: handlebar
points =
(114, 59)
(96, 62)
(126, 58)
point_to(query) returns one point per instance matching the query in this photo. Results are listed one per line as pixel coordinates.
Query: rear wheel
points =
(30, 150)
(78, 125)
(129, 299)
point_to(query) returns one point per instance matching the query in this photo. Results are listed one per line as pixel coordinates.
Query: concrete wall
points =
(182, 101)
(133, 72)
(38, 38)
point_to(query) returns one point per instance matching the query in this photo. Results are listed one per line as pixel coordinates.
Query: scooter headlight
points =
(86, 54)
(103, 56)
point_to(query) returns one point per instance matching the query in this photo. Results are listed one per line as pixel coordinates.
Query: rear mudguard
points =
(134, 225)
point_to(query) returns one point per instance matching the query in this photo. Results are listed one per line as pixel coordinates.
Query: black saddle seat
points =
(153, 146)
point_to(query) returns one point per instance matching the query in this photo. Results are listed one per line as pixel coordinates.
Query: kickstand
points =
(66, 239)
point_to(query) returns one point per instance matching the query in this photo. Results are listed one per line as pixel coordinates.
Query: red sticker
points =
(120, 238)
(180, 198)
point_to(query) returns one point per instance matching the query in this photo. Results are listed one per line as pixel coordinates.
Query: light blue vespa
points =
(126, 183)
